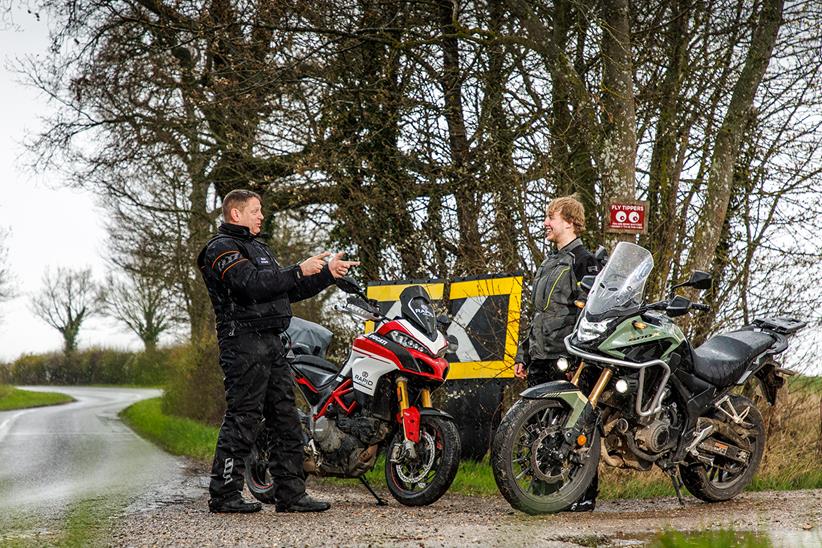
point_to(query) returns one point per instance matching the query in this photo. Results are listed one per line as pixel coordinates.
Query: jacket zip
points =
(554, 286)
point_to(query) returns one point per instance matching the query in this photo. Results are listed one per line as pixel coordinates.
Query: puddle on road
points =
(779, 538)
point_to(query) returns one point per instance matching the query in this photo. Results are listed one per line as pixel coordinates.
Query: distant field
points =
(14, 398)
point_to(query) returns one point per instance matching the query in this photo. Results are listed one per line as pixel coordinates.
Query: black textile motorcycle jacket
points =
(248, 288)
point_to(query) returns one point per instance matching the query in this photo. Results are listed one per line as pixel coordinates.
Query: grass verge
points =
(14, 398)
(177, 435)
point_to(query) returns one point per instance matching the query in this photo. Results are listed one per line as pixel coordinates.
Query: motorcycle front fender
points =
(565, 392)
(432, 412)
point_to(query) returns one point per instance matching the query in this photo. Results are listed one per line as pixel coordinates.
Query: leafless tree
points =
(67, 299)
(141, 304)
(6, 275)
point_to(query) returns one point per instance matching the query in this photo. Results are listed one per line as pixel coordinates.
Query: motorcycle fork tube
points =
(425, 397)
(599, 387)
(410, 417)
(577, 374)
(402, 393)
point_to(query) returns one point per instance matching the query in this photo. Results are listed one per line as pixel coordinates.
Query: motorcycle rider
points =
(554, 290)
(251, 295)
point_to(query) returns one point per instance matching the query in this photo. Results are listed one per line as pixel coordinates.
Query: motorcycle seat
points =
(723, 358)
(317, 370)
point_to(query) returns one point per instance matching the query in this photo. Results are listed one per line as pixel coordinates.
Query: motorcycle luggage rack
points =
(656, 402)
(783, 326)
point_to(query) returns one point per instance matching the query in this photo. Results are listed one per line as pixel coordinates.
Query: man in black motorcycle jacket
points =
(554, 291)
(252, 297)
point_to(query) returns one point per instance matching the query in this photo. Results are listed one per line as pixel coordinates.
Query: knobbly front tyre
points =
(725, 479)
(423, 480)
(527, 472)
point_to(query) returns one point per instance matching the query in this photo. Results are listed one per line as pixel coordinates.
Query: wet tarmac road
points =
(54, 458)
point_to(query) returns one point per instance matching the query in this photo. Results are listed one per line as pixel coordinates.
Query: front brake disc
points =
(543, 464)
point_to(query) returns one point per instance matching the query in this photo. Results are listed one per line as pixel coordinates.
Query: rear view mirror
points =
(699, 280)
(349, 285)
(601, 256)
(678, 306)
(443, 321)
(453, 344)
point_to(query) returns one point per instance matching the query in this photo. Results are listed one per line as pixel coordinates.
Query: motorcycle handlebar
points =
(701, 307)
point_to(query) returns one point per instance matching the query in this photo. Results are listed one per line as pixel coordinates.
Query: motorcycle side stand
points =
(380, 502)
(675, 480)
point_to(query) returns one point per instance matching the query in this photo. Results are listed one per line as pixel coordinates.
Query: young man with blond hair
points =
(554, 313)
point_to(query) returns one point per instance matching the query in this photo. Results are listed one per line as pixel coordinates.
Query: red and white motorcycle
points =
(380, 398)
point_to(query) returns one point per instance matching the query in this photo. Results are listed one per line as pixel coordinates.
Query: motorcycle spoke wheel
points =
(528, 469)
(723, 478)
(535, 472)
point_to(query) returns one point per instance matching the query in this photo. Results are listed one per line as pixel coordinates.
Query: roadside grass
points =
(87, 522)
(790, 461)
(711, 539)
(177, 435)
(14, 398)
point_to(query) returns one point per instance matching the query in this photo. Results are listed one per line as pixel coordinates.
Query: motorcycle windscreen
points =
(621, 283)
(416, 308)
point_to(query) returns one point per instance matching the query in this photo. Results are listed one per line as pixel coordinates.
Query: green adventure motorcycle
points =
(639, 395)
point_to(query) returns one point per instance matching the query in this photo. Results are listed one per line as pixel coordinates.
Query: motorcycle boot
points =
(304, 504)
(233, 505)
(588, 500)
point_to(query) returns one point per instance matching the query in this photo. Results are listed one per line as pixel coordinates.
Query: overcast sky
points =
(51, 225)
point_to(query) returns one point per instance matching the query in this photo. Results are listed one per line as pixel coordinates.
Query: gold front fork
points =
(425, 397)
(402, 393)
(577, 373)
(602, 382)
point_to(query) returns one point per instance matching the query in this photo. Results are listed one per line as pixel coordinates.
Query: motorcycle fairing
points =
(368, 362)
(434, 346)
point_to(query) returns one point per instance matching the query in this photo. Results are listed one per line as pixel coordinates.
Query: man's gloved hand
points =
(338, 266)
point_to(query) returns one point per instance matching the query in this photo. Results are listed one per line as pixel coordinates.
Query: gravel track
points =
(789, 518)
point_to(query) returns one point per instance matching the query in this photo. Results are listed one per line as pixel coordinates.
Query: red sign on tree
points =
(628, 217)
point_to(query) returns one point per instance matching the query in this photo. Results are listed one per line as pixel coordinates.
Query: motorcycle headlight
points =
(589, 331)
(404, 340)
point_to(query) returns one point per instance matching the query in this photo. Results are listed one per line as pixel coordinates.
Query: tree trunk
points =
(618, 157)
(470, 259)
(663, 179)
(720, 175)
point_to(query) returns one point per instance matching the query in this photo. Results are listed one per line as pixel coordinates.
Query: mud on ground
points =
(792, 518)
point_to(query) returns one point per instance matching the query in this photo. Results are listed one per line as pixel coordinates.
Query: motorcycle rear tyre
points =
(696, 477)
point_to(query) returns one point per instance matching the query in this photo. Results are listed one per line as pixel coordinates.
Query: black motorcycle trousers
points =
(258, 383)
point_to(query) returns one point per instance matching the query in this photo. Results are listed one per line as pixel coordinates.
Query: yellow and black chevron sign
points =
(485, 313)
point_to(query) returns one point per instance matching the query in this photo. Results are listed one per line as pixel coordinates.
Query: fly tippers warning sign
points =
(484, 313)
